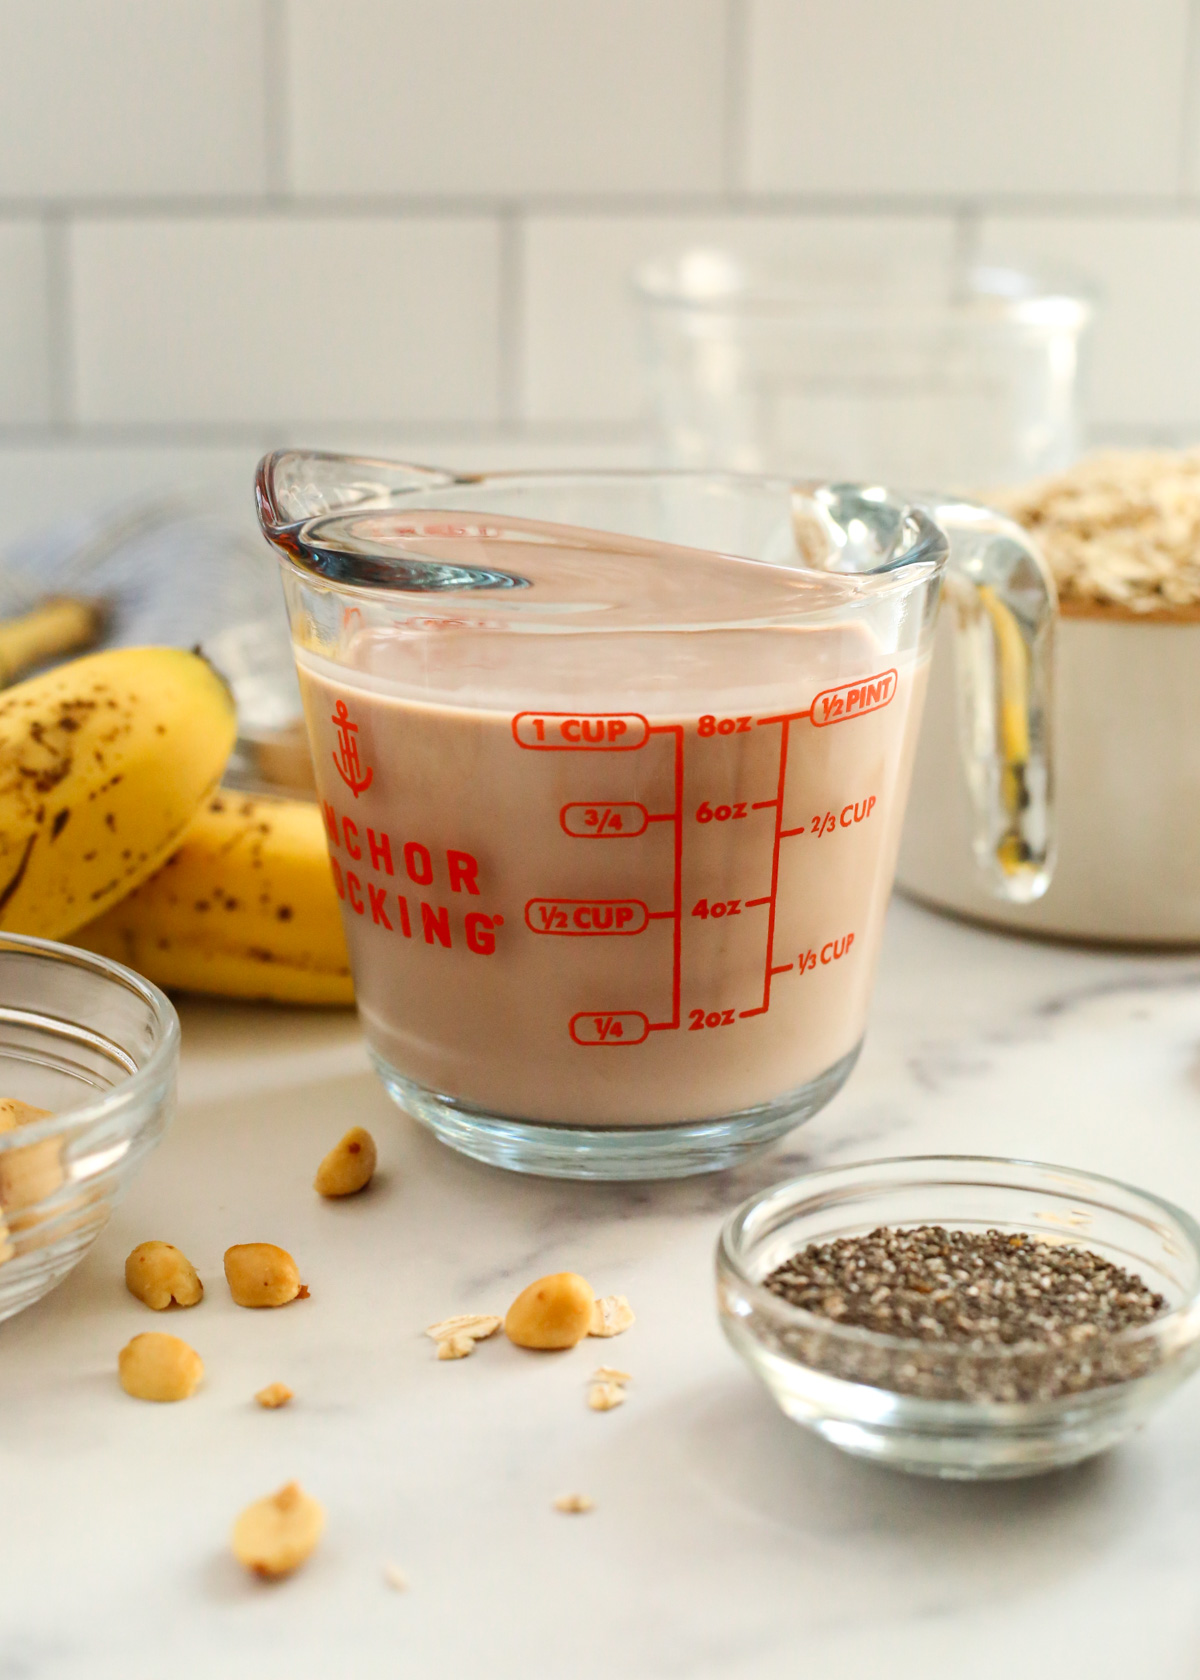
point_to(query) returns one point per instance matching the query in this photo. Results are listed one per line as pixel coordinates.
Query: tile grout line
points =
(60, 348)
(592, 205)
(1189, 117)
(262, 435)
(510, 317)
(968, 242)
(735, 134)
(276, 171)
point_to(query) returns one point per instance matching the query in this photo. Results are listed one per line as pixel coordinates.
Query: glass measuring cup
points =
(613, 769)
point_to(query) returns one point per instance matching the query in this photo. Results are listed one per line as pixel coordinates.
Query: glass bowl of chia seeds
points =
(963, 1316)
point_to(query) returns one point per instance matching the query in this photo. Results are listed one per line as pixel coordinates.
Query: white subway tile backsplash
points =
(131, 96)
(579, 329)
(1145, 356)
(612, 130)
(24, 326)
(506, 96)
(267, 319)
(954, 96)
(43, 485)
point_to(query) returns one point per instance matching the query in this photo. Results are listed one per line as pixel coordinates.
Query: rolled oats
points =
(479, 1326)
(611, 1314)
(1119, 530)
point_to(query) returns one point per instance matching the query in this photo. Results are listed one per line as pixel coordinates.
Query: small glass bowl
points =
(901, 1402)
(98, 1046)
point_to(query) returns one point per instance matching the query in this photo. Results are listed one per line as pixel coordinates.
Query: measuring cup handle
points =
(1003, 600)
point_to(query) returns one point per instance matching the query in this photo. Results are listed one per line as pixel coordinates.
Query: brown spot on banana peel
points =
(7, 892)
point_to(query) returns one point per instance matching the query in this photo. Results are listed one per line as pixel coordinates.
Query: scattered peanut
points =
(349, 1166)
(277, 1534)
(275, 1394)
(154, 1366)
(554, 1312)
(606, 1373)
(574, 1503)
(158, 1273)
(395, 1577)
(261, 1275)
(610, 1316)
(34, 1171)
(456, 1337)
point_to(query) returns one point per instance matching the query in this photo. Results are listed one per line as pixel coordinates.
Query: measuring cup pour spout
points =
(1002, 602)
(613, 770)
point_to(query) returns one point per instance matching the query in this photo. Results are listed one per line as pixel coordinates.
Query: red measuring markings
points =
(582, 918)
(858, 811)
(832, 951)
(581, 731)
(622, 1026)
(851, 700)
(622, 821)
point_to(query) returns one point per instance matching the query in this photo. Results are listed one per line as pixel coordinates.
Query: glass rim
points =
(130, 1088)
(400, 485)
(731, 1245)
(1035, 302)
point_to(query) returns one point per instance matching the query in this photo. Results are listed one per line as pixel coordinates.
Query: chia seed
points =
(993, 1315)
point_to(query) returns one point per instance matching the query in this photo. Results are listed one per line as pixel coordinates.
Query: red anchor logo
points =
(346, 757)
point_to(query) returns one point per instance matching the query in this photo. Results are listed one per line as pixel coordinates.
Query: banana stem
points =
(53, 628)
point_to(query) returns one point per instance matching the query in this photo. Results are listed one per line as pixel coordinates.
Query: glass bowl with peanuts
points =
(88, 1059)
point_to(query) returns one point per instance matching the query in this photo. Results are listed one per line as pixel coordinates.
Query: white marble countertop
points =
(725, 1541)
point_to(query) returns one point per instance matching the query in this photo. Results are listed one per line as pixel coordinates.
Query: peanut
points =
(277, 1534)
(29, 1174)
(349, 1166)
(158, 1273)
(574, 1504)
(154, 1366)
(275, 1394)
(554, 1312)
(261, 1275)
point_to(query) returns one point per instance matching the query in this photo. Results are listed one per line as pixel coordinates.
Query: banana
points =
(103, 764)
(245, 908)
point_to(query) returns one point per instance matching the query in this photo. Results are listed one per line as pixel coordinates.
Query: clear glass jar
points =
(860, 376)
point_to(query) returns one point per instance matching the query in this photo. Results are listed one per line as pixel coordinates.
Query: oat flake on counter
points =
(1119, 529)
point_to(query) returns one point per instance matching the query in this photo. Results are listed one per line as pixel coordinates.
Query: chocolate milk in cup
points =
(612, 819)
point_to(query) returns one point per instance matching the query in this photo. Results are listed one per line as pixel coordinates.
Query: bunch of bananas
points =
(115, 834)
